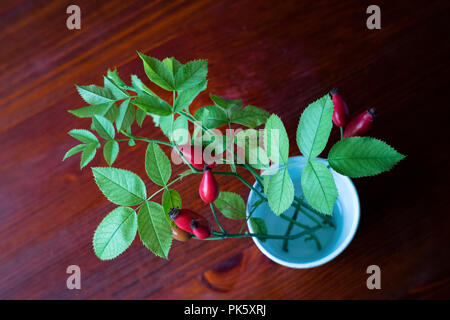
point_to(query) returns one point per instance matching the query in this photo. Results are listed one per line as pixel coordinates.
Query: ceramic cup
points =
(303, 254)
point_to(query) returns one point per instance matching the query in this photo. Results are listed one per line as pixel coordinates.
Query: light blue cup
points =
(303, 254)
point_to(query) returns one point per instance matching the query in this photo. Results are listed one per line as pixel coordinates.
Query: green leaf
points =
(157, 164)
(112, 113)
(113, 75)
(319, 187)
(120, 186)
(250, 116)
(140, 116)
(140, 87)
(362, 156)
(83, 135)
(90, 111)
(171, 199)
(276, 141)
(153, 105)
(191, 74)
(118, 93)
(211, 117)
(231, 205)
(126, 115)
(74, 150)
(226, 105)
(115, 233)
(280, 191)
(93, 94)
(104, 127)
(88, 154)
(185, 97)
(110, 151)
(172, 64)
(158, 72)
(154, 229)
(266, 180)
(259, 226)
(180, 131)
(315, 126)
(254, 154)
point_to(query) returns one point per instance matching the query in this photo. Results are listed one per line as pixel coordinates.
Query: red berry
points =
(209, 188)
(196, 161)
(201, 231)
(340, 111)
(183, 218)
(360, 124)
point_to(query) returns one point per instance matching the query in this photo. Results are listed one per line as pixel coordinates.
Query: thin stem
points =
(289, 228)
(215, 217)
(341, 129)
(293, 221)
(259, 235)
(146, 139)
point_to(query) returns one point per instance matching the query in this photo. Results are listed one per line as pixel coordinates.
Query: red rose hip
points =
(340, 111)
(209, 188)
(361, 124)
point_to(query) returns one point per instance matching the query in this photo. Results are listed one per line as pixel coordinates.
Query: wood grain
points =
(278, 55)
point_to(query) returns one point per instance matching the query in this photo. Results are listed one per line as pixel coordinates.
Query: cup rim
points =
(330, 256)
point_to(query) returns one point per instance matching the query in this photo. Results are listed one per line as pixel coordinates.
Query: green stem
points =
(289, 229)
(215, 217)
(341, 129)
(257, 235)
(146, 139)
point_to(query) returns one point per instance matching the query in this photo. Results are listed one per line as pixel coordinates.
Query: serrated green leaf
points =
(93, 94)
(250, 116)
(276, 141)
(172, 64)
(171, 199)
(319, 187)
(157, 165)
(280, 191)
(115, 233)
(140, 116)
(231, 205)
(74, 150)
(185, 97)
(259, 226)
(153, 105)
(118, 93)
(112, 113)
(125, 116)
(180, 131)
(154, 229)
(362, 156)
(104, 127)
(314, 127)
(191, 74)
(120, 186)
(229, 106)
(266, 180)
(114, 76)
(88, 154)
(110, 151)
(211, 117)
(140, 87)
(256, 156)
(158, 72)
(83, 135)
(90, 111)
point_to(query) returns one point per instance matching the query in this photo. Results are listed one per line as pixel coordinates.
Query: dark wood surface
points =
(278, 55)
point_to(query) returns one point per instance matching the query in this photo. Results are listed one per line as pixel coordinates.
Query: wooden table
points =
(278, 55)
